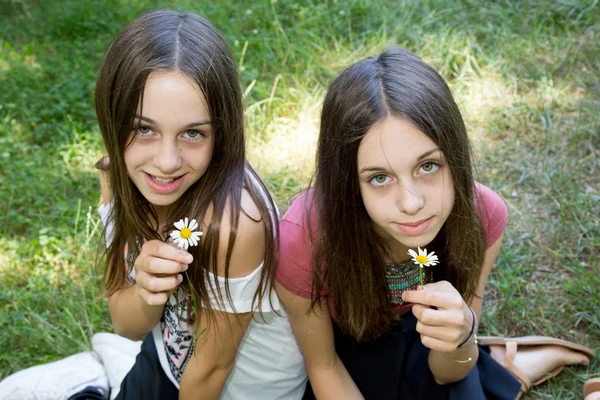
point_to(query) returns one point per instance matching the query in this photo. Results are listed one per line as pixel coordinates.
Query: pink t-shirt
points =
(294, 271)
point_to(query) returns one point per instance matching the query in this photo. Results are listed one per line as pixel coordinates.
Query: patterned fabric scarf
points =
(404, 276)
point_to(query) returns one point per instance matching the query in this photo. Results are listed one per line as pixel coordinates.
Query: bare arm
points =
(488, 263)
(446, 370)
(214, 358)
(314, 333)
(134, 310)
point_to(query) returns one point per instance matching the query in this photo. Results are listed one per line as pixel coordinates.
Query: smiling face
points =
(405, 184)
(172, 138)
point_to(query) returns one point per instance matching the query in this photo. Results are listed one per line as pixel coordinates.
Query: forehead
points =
(393, 142)
(172, 95)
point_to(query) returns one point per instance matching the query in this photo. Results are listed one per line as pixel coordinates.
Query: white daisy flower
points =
(185, 236)
(423, 259)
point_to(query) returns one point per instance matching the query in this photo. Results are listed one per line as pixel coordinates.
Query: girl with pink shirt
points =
(394, 176)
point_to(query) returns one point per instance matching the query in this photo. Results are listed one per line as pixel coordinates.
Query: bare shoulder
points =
(250, 240)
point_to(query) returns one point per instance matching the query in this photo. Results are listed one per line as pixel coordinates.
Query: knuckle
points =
(460, 320)
(455, 337)
(429, 297)
(426, 316)
(419, 327)
(152, 285)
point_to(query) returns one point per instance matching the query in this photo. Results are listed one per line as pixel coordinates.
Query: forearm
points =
(204, 387)
(444, 367)
(333, 382)
(131, 316)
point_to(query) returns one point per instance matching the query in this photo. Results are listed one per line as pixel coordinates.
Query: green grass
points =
(524, 73)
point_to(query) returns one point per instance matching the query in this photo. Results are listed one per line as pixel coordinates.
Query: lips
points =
(415, 228)
(163, 185)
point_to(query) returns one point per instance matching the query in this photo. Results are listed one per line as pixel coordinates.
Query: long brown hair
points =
(396, 83)
(170, 41)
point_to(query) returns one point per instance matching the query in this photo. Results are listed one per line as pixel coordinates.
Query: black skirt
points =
(395, 366)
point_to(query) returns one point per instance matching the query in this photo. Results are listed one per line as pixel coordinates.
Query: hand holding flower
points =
(158, 271)
(443, 318)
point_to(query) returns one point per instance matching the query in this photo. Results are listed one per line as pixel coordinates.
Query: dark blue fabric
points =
(89, 393)
(147, 380)
(394, 367)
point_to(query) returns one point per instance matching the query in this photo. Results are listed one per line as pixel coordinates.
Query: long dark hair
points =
(395, 84)
(170, 41)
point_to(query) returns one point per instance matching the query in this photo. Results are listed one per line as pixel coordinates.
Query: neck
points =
(161, 213)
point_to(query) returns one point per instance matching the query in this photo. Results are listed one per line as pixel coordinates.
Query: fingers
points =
(440, 295)
(158, 257)
(152, 298)
(158, 271)
(155, 284)
(441, 317)
(437, 344)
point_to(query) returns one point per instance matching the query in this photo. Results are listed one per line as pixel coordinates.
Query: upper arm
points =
(105, 192)
(313, 330)
(489, 259)
(221, 333)
(494, 216)
(248, 250)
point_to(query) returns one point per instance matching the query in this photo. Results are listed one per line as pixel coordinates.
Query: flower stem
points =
(421, 277)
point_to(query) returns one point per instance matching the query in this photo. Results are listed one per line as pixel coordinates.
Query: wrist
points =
(472, 331)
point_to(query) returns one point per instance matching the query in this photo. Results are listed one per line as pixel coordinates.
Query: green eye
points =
(427, 167)
(380, 180)
(144, 130)
(193, 134)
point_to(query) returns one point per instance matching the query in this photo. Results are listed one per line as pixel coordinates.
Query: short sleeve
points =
(492, 211)
(104, 210)
(294, 271)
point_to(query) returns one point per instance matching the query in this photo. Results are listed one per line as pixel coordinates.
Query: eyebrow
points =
(191, 125)
(427, 153)
(380, 169)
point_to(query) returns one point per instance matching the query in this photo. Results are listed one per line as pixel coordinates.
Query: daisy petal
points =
(186, 222)
(412, 253)
(193, 225)
(179, 224)
(175, 234)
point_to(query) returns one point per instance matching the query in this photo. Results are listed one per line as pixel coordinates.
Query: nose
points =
(409, 198)
(167, 158)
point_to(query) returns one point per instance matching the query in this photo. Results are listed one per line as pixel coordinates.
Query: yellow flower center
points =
(185, 233)
(422, 259)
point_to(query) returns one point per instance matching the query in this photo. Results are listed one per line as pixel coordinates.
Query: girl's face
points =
(172, 139)
(405, 183)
